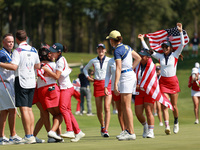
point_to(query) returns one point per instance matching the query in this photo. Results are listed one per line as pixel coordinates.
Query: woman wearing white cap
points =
(123, 56)
(100, 65)
(195, 91)
(196, 65)
(169, 84)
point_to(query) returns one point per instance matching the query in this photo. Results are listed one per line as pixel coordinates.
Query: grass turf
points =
(187, 138)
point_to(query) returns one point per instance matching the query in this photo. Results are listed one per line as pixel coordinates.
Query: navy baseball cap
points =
(101, 45)
(57, 47)
(144, 52)
(168, 43)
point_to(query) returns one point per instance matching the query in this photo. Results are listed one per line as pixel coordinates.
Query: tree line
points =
(82, 24)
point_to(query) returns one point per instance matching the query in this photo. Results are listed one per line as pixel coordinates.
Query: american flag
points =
(150, 84)
(173, 35)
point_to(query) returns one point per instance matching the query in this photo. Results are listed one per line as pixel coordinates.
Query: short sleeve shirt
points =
(124, 52)
(25, 57)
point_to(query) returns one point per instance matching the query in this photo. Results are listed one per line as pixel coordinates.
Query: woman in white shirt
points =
(100, 65)
(169, 84)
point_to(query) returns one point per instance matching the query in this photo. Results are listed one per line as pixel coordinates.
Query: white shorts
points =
(195, 93)
(127, 82)
(5, 101)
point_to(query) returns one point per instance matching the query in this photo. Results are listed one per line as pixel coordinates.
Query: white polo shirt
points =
(99, 68)
(25, 57)
(168, 67)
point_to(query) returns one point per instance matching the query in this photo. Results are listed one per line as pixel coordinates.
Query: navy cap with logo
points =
(57, 47)
(144, 52)
(167, 43)
(101, 45)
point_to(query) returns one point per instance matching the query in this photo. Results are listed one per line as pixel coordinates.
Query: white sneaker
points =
(121, 134)
(176, 128)
(196, 122)
(90, 114)
(145, 131)
(127, 137)
(77, 113)
(78, 137)
(155, 114)
(4, 141)
(150, 135)
(39, 140)
(161, 124)
(15, 138)
(115, 112)
(167, 130)
(68, 134)
(53, 134)
(84, 112)
(26, 140)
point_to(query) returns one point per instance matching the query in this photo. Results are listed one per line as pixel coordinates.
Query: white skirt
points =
(195, 93)
(127, 82)
(5, 101)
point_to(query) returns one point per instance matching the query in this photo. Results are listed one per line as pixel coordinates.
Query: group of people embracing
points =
(117, 78)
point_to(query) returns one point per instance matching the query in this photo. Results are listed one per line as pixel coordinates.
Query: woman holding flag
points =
(142, 99)
(168, 82)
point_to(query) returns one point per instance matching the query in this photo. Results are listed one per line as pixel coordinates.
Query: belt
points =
(127, 70)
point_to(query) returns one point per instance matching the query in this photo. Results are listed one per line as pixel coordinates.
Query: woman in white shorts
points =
(123, 56)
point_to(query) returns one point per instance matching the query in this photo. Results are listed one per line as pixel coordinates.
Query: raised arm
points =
(141, 37)
(181, 46)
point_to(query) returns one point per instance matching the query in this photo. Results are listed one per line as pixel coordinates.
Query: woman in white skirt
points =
(195, 92)
(123, 56)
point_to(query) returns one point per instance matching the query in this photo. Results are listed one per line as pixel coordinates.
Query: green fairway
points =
(187, 138)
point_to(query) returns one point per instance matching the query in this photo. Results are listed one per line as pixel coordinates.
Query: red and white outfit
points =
(47, 93)
(141, 95)
(100, 74)
(168, 81)
(110, 74)
(66, 92)
(195, 90)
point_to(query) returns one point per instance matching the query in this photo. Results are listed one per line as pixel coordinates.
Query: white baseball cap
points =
(195, 70)
(196, 65)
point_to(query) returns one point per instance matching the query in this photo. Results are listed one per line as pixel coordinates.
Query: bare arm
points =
(137, 59)
(37, 66)
(117, 75)
(8, 66)
(85, 71)
(56, 75)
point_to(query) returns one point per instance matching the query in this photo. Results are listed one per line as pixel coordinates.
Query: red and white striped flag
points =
(150, 84)
(173, 35)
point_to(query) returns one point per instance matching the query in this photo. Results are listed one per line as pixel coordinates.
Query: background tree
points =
(82, 24)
